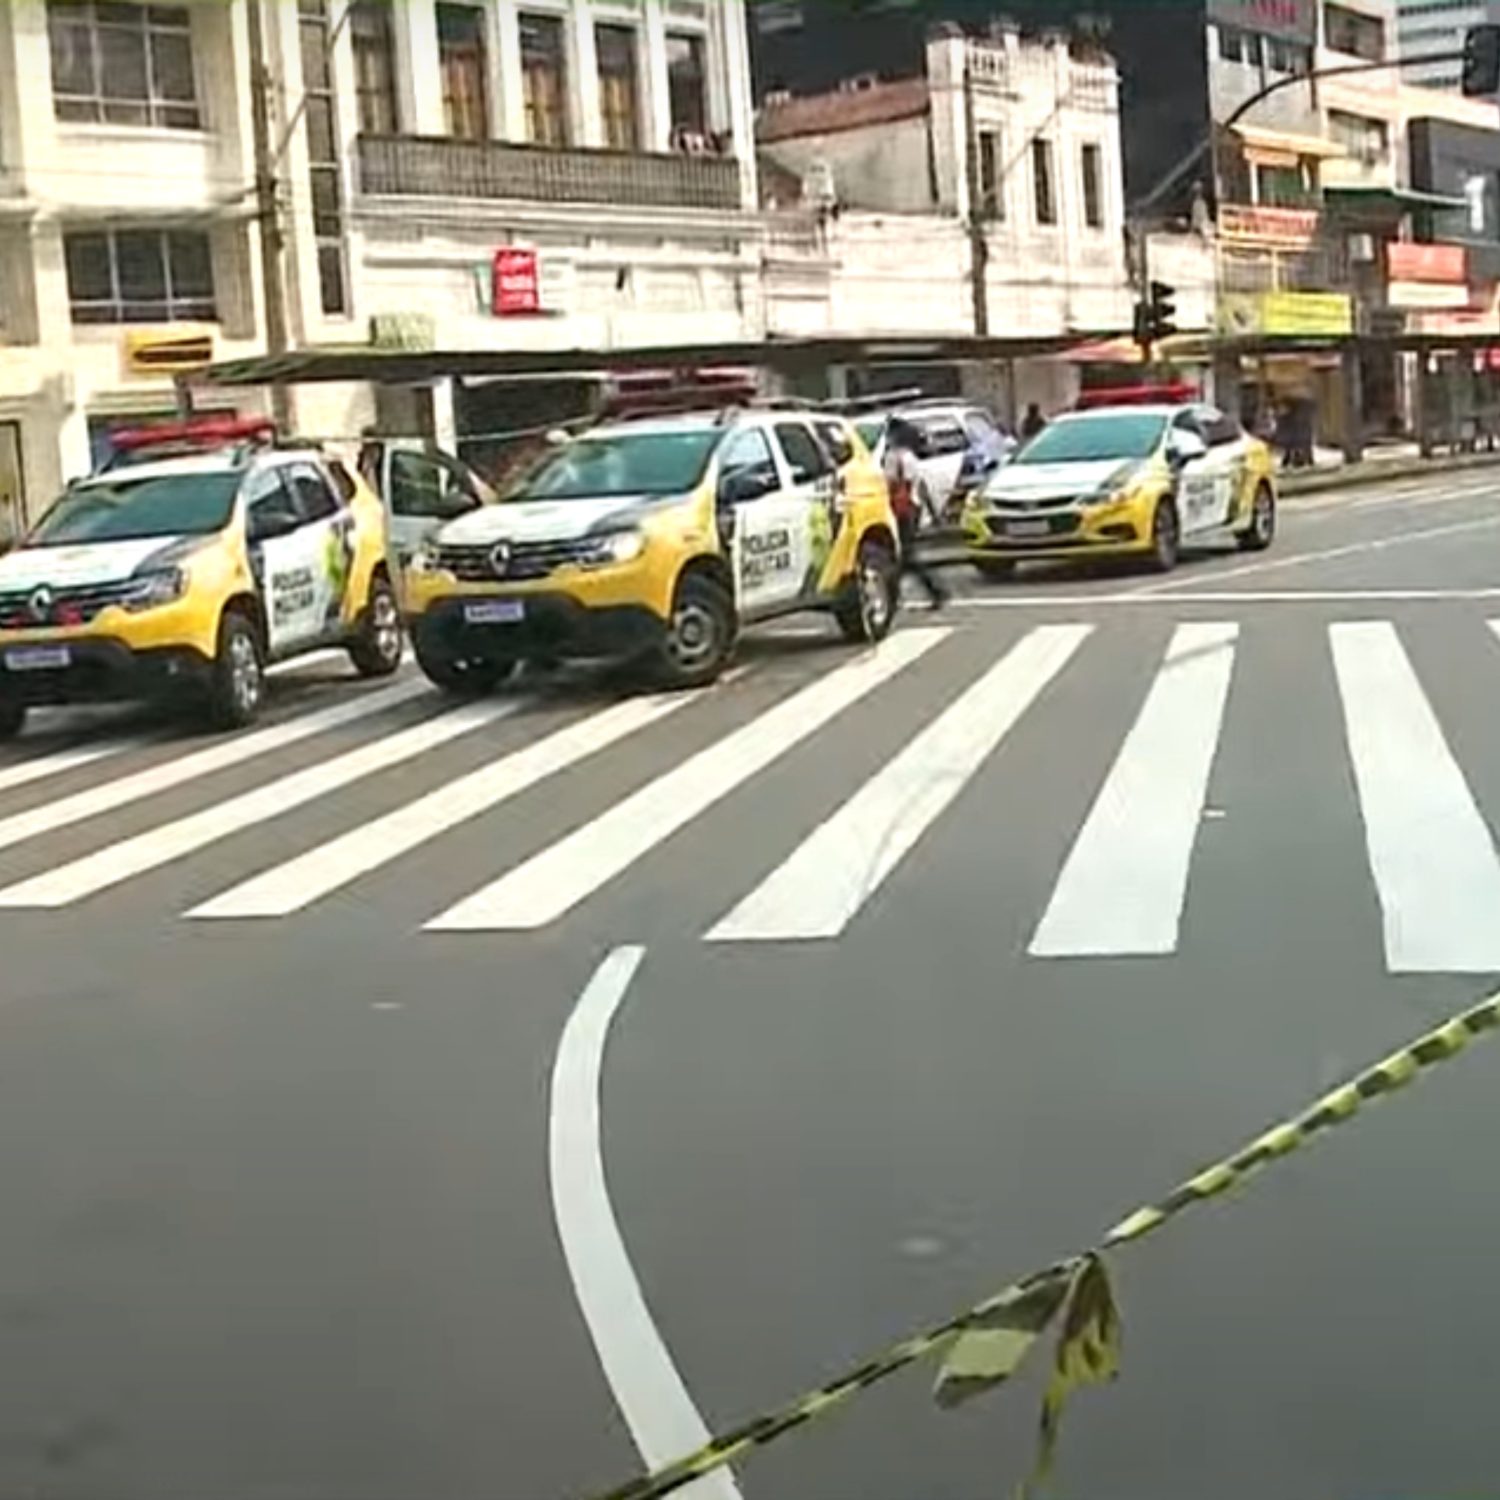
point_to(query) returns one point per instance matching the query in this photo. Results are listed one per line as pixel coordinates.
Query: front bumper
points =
(101, 670)
(1113, 530)
(552, 625)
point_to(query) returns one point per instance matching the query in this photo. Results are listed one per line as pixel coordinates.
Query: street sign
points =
(516, 282)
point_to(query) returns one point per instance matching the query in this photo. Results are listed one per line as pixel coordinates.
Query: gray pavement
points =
(280, 1221)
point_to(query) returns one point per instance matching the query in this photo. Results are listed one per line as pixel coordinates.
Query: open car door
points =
(421, 487)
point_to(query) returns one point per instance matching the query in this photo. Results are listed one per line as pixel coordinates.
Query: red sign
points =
(1444, 263)
(517, 283)
(1292, 227)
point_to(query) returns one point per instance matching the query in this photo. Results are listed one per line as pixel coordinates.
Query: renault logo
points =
(500, 559)
(39, 605)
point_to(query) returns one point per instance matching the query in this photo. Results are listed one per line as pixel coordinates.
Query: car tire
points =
(873, 595)
(460, 676)
(376, 649)
(995, 569)
(1261, 531)
(699, 638)
(1166, 537)
(12, 718)
(237, 684)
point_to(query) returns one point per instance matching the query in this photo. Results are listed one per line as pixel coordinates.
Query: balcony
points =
(438, 167)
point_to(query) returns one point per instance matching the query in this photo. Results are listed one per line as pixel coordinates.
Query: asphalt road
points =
(905, 972)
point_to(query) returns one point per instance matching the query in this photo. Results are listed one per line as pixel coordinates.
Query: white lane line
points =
(294, 664)
(1431, 854)
(551, 883)
(299, 882)
(647, 1388)
(65, 884)
(215, 757)
(1227, 596)
(1326, 554)
(820, 888)
(58, 761)
(1123, 886)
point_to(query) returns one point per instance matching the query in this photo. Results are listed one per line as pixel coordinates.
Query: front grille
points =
(527, 560)
(1033, 507)
(1063, 525)
(75, 605)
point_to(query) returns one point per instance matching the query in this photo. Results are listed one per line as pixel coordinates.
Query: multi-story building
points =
(980, 196)
(507, 173)
(1431, 28)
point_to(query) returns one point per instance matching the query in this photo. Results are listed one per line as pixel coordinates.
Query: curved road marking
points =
(647, 1388)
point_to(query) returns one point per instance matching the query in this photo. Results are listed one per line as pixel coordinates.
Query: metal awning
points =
(1395, 197)
(361, 362)
(1286, 142)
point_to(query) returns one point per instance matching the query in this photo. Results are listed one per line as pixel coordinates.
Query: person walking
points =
(1032, 423)
(910, 497)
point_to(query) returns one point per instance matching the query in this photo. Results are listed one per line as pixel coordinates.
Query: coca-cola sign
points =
(516, 282)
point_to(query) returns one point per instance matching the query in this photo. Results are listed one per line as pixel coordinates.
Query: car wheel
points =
(460, 676)
(699, 636)
(1261, 531)
(1165, 537)
(995, 569)
(376, 650)
(874, 594)
(238, 683)
(12, 718)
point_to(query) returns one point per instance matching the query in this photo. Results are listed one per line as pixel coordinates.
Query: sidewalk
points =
(1387, 461)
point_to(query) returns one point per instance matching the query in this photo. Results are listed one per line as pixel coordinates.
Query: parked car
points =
(961, 444)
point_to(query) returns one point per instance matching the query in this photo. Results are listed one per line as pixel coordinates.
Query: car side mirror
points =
(742, 485)
(1184, 447)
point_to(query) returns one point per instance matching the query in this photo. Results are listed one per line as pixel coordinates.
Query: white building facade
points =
(1425, 27)
(607, 143)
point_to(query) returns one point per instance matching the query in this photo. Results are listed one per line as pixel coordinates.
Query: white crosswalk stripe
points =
(1125, 881)
(39, 767)
(550, 884)
(1430, 851)
(159, 846)
(300, 882)
(218, 756)
(839, 867)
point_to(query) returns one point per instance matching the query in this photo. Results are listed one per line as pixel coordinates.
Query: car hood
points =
(81, 564)
(1054, 481)
(540, 520)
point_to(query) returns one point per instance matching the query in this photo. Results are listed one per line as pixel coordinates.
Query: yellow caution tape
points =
(986, 1344)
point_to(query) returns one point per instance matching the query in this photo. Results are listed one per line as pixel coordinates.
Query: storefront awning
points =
(1397, 199)
(1286, 142)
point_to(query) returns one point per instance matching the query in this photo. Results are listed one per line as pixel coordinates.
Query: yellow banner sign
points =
(1287, 314)
(168, 353)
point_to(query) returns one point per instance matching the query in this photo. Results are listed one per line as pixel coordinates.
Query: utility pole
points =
(979, 245)
(268, 207)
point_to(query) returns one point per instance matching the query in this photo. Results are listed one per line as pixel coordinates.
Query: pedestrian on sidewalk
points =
(1032, 423)
(911, 497)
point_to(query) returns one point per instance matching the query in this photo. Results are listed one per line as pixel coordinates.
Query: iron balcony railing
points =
(438, 167)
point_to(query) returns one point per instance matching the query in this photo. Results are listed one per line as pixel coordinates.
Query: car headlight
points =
(615, 547)
(151, 590)
(1116, 488)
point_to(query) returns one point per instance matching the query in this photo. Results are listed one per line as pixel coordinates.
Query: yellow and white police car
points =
(187, 574)
(1129, 481)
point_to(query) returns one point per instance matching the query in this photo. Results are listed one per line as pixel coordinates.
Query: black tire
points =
(1261, 531)
(237, 685)
(1166, 537)
(376, 650)
(873, 596)
(12, 718)
(700, 635)
(460, 676)
(995, 569)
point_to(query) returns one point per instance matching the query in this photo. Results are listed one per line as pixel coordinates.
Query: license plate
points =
(38, 658)
(495, 612)
(1028, 528)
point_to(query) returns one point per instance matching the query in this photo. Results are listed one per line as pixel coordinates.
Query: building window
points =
(1284, 187)
(1254, 54)
(1091, 162)
(325, 177)
(374, 66)
(1288, 57)
(1365, 139)
(1044, 189)
(465, 69)
(140, 276)
(544, 73)
(122, 64)
(1346, 30)
(1231, 44)
(991, 185)
(618, 87)
(686, 77)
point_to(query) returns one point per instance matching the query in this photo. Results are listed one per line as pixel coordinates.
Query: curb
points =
(1350, 475)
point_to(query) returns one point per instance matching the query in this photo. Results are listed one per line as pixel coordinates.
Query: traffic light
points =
(1156, 317)
(1481, 75)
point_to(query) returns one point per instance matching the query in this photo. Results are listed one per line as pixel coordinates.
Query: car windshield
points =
(122, 507)
(871, 431)
(619, 464)
(1124, 434)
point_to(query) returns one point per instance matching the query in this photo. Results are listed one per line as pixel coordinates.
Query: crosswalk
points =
(128, 805)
